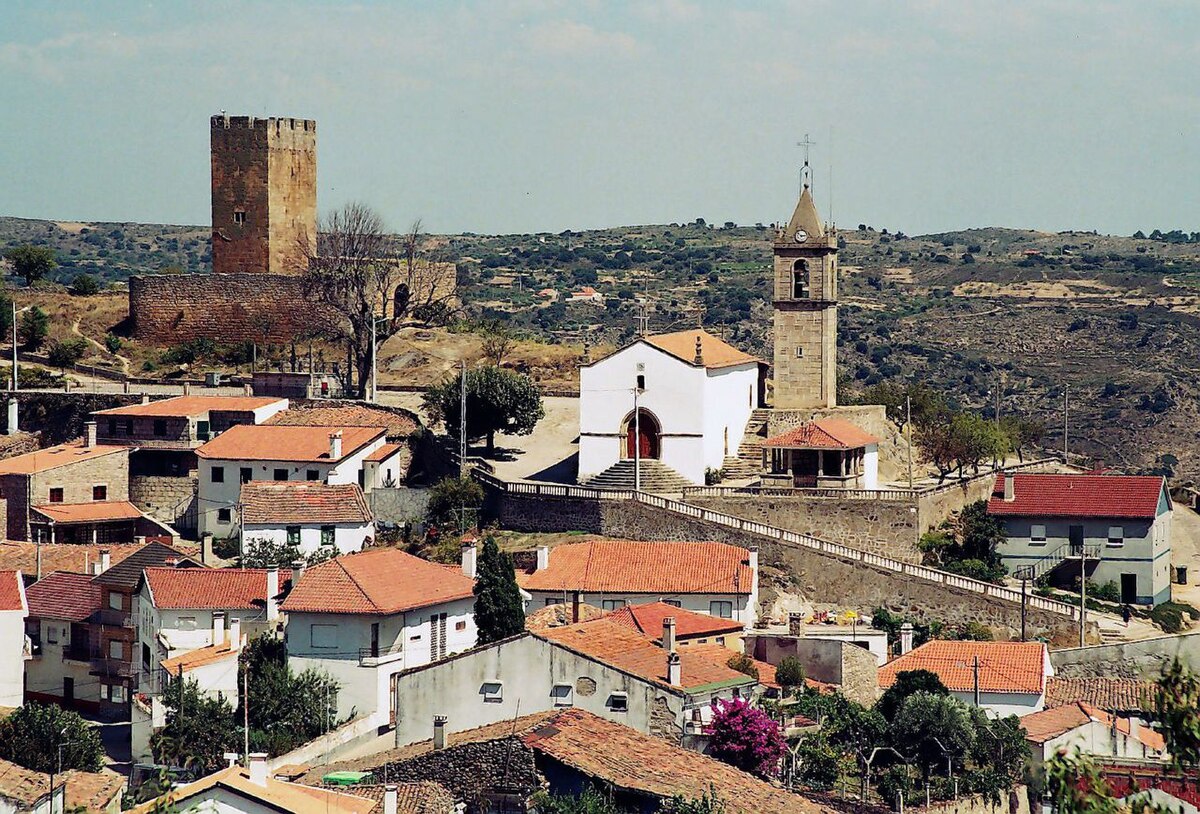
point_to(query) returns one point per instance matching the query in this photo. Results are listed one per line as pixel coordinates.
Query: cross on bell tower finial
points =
(806, 170)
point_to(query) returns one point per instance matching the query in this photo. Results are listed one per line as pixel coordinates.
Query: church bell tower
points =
(805, 252)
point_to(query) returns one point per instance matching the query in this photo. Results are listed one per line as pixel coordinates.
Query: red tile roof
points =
(1066, 495)
(201, 656)
(720, 654)
(42, 460)
(624, 566)
(12, 592)
(188, 406)
(303, 502)
(398, 423)
(60, 556)
(1049, 724)
(616, 645)
(101, 511)
(376, 581)
(276, 442)
(209, 588)
(648, 620)
(825, 433)
(1122, 694)
(384, 452)
(63, 595)
(1003, 666)
(715, 352)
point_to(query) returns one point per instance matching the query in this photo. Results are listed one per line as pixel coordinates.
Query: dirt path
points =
(124, 361)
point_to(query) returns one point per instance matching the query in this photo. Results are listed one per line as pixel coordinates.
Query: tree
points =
(789, 673)
(497, 401)
(31, 263)
(6, 316)
(288, 709)
(451, 499)
(199, 729)
(743, 664)
(84, 285)
(908, 682)
(263, 552)
(938, 727)
(981, 533)
(1177, 707)
(34, 327)
(499, 610)
(357, 270)
(32, 734)
(497, 342)
(64, 353)
(744, 736)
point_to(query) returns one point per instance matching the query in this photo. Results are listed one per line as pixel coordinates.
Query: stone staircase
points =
(748, 461)
(656, 477)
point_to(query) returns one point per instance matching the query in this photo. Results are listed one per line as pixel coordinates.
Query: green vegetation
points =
(967, 546)
(33, 328)
(32, 734)
(498, 400)
(31, 263)
(64, 353)
(499, 611)
(85, 285)
(743, 664)
(789, 673)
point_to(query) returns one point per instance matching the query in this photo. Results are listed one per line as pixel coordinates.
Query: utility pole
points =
(908, 432)
(1082, 595)
(245, 714)
(14, 332)
(462, 420)
(637, 443)
(976, 666)
(374, 374)
(1066, 413)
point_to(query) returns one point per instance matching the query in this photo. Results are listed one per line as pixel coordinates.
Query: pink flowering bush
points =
(744, 736)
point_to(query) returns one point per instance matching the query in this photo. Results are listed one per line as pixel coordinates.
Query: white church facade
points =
(694, 396)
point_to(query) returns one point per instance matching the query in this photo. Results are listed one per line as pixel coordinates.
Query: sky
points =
(544, 115)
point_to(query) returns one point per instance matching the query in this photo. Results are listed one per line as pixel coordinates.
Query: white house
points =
(364, 617)
(714, 578)
(273, 452)
(694, 395)
(1120, 525)
(311, 515)
(61, 605)
(1093, 732)
(1010, 676)
(14, 646)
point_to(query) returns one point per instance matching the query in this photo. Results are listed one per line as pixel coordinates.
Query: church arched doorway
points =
(643, 438)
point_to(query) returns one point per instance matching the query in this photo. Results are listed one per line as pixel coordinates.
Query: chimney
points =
(795, 624)
(89, 434)
(575, 606)
(668, 634)
(13, 423)
(105, 560)
(470, 558)
(1010, 487)
(145, 398)
(439, 731)
(1133, 727)
(235, 634)
(335, 445)
(258, 768)
(699, 359)
(231, 759)
(298, 567)
(94, 569)
(906, 637)
(218, 628)
(674, 670)
(206, 550)
(273, 593)
(390, 805)
(543, 557)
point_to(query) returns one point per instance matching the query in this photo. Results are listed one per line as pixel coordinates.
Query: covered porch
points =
(101, 522)
(826, 454)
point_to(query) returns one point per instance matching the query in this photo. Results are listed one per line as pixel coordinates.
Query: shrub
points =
(743, 664)
(1109, 592)
(789, 672)
(65, 353)
(746, 737)
(84, 285)
(113, 343)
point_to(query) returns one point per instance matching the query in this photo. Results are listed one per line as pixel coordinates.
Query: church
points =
(681, 404)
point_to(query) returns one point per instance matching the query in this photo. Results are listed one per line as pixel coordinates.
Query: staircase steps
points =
(656, 477)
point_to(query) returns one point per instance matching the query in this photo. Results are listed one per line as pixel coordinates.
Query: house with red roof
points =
(679, 401)
(1115, 528)
(362, 618)
(1092, 731)
(309, 515)
(1003, 678)
(716, 579)
(691, 628)
(829, 453)
(14, 646)
(61, 607)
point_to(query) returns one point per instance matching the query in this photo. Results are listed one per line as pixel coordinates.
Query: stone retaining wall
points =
(168, 499)
(1141, 659)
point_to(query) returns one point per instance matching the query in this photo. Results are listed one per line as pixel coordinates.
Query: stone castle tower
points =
(805, 310)
(264, 193)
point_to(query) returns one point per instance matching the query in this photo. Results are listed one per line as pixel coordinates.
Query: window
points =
(1116, 535)
(612, 604)
(112, 426)
(115, 602)
(721, 641)
(492, 692)
(1037, 535)
(186, 623)
(674, 603)
(52, 634)
(239, 217)
(116, 649)
(56, 495)
(160, 426)
(217, 474)
(560, 694)
(460, 625)
(550, 600)
(323, 637)
(721, 608)
(100, 492)
(799, 352)
(129, 426)
(245, 474)
(326, 535)
(618, 702)
(281, 474)
(293, 535)
(114, 693)
(312, 474)
(224, 515)
(641, 382)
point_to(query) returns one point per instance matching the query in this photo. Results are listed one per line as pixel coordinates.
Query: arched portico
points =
(643, 436)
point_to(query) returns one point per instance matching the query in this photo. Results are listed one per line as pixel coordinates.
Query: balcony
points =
(114, 668)
(112, 618)
(375, 656)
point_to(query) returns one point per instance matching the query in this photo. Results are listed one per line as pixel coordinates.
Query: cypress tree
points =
(499, 611)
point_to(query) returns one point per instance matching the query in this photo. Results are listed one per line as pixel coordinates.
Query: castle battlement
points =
(279, 125)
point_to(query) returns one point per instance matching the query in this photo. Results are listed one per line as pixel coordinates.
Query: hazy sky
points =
(536, 115)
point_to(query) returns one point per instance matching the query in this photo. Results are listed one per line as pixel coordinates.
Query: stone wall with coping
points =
(1141, 659)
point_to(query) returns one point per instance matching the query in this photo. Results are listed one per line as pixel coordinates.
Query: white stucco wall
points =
(12, 658)
(871, 467)
(1003, 704)
(730, 395)
(1095, 738)
(379, 472)
(347, 537)
(745, 606)
(45, 674)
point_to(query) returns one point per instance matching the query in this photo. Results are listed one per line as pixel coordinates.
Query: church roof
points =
(805, 217)
(715, 352)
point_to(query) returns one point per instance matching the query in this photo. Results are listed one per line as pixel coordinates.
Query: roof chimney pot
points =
(439, 731)
(674, 670)
(668, 634)
(1010, 487)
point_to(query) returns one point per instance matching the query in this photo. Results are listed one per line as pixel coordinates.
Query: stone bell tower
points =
(805, 252)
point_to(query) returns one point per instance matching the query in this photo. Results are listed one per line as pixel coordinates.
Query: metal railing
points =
(368, 654)
(112, 618)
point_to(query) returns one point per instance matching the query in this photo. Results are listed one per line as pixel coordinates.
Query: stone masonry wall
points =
(171, 500)
(818, 576)
(1141, 659)
(470, 770)
(885, 527)
(18, 444)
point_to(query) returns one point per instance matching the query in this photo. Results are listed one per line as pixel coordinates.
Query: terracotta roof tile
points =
(128, 572)
(1066, 495)
(398, 425)
(275, 442)
(91, 791)
(1003, 666)
(384, 452)
(12, 591)
(188, 406)
(618, 646)
(52, 457)
(210, 588)
(376, 581)
(648, 620)
(825, 433)
(21, 784)
(63, 595)
(60, 556)
(276, 794)
(720, 654)
(1048, 724)
(303, 502)
(559, 614)
(1122, 694)
(95, 512)
(716, 352)
(199, 657)
(623, 566)
(413, 797)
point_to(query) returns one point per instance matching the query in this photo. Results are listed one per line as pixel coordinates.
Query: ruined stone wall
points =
(471, 770)
(934, 508)
(18, 444)
(171, 500)
(227, 308)
(1141, 659)
(886, 527)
